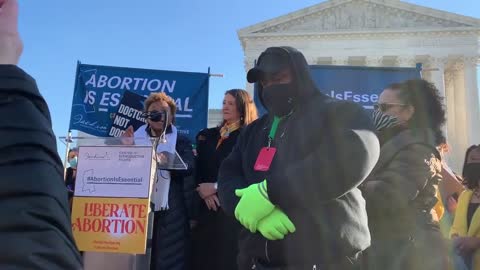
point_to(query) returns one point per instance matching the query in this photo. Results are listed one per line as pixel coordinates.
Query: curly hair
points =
(427, 102)
(471, 171)
(161, 96)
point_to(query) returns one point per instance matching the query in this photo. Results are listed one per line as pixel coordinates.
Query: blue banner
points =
(99, 89)
(361, 85)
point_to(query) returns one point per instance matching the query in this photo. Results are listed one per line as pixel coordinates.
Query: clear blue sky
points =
(158, 34)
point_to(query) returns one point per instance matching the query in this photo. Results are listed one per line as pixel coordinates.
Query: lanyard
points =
(273, 130)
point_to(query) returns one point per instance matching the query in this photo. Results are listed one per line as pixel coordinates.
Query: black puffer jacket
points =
(35, 228)
(325, 149)
(171, 233)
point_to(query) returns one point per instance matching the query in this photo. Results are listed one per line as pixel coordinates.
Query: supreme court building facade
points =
(387, 33)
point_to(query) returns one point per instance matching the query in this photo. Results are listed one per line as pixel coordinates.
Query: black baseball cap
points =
(271, 61)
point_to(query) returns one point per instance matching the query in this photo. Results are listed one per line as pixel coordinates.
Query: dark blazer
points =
(209, 157)
(215, 229)
(34, 214)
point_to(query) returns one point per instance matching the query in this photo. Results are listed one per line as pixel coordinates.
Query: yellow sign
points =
(117, 225)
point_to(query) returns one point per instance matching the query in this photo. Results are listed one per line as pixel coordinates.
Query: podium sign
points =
(111, 202)
(114, 179)
(111, 199)
(117, 225)
(114, 171)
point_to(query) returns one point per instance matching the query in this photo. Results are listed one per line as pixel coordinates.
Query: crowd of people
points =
(315, 183)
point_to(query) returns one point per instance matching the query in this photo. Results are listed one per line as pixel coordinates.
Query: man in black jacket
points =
(292, 178)
(35, 229)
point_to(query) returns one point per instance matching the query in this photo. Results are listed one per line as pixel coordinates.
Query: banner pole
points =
(68, 140)
(419, 67)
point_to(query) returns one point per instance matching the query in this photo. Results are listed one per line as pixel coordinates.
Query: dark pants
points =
(215, 242)
(170, 241)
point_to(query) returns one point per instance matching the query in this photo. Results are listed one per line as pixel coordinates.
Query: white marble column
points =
(461, 137)
(437, 77)
(249, 89)
(472, 100)
(453, 158)
(249, 63)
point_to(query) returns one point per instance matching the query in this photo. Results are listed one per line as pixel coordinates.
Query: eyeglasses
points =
(156, 116)
(386, 106)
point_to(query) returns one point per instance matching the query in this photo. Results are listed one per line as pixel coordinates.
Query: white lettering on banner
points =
(150, 85)
(129, 83)
(109, 99)
(102, 81)
(91, 81)
(90, 97)
(186, 108)
(126, 83)
(105, 97)
(183, 107)
(178, 102)
(115, 99)
(137, 81)
(359, 98)
(111, 81)
(167, 85)
(112, 99)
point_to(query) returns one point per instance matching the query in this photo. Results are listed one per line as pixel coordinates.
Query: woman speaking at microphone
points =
(171, 195)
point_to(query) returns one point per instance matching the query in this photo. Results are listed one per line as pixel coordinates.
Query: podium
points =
(112, 217)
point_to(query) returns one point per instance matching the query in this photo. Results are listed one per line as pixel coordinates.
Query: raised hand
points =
(10, 44)
(127, 136)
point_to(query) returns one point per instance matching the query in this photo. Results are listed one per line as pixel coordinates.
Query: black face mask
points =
(280, 98)
(156, 116)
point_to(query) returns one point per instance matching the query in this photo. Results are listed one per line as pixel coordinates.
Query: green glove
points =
(253, 205)
(276, 225)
